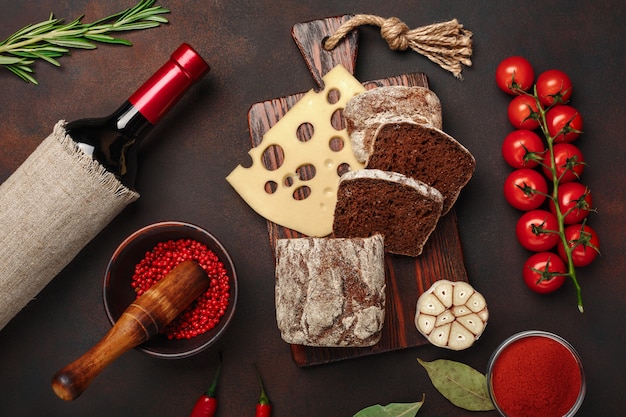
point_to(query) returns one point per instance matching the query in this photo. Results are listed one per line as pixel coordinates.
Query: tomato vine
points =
(544, 107)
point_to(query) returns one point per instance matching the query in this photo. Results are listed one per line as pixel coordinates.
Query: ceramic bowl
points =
(118, 293)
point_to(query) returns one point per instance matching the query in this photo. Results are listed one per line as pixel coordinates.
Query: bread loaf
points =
(366, 111)
(330, 292)
(405, 211)
(425, 153)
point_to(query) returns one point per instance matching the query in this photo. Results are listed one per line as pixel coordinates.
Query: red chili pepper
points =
(263, 406)
(207, 403)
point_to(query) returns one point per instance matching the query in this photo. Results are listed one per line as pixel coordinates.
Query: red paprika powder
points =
(536, 375)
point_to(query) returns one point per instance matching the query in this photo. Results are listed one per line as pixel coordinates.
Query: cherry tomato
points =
(553, 85)
(537, 230)
(514, 72)
(564, 123)
(522, 111)
(523, 149)
(575, 202)
(544, 272)
(568, 162)
(525, 189)
(583, 241)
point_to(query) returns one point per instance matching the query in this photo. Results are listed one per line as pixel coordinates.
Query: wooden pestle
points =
(144, 318)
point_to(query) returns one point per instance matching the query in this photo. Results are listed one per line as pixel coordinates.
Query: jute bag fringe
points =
(57, 201)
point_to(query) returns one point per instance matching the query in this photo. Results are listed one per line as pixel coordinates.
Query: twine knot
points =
(394, 31)
(447, 44)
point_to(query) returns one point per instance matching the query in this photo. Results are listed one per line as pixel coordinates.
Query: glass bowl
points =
(532, 358)
(118, 293)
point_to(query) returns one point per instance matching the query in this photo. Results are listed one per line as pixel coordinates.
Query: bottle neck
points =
(130, 121)
(166, 86)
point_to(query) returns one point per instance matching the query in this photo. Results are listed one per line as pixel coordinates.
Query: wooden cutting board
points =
(407, 277)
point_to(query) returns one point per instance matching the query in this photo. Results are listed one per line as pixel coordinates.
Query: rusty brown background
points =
(253, 58)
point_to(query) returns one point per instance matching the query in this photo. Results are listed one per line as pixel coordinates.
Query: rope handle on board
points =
(447, 44)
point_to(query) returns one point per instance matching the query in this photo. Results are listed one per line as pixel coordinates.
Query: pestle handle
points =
(144, 318)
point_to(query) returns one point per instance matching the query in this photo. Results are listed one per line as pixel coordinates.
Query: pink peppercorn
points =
(205, 312)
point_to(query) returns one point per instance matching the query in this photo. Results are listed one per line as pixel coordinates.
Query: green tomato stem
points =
(555, 199)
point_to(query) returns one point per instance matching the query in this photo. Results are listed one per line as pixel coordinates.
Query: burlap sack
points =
(50, 208)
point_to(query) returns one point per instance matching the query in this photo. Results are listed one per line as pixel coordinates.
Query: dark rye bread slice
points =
(405, 211)
(426, 154)
(330, 292)
(366, 111)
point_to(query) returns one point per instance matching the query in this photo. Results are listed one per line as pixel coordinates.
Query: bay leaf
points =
(391, 410)
(461, 384)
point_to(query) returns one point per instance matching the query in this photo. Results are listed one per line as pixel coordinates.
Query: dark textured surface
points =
(254, 58)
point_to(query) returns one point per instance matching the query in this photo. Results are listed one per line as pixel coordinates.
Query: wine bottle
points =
(73, 185)
(114, 140)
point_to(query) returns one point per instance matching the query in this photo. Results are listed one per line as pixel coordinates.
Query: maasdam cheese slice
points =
(284, 196)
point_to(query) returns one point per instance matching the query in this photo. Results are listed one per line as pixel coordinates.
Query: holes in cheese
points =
(305, 132)
(337, 121)
(301, 193)
(342, 169)
(295, 169)
(306, 172)
(333, 96)
(335, 144)
(273, 157)
(270, 187)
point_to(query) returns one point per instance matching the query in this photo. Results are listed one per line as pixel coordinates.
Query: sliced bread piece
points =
(366, 111)
(425, 153)
(405, 211)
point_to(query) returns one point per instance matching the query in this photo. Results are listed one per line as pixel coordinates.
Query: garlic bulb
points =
(452, 315)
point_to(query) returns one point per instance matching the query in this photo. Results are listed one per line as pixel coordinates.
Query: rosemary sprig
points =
(51, 39)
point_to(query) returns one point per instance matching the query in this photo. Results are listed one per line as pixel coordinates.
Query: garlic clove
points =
(484, 315)
(476, 302)
(462, 292)
(430, 304)
(443, 291)
(439, 336)
(472, 322)
(445, 317)
(426, 323)
(461, 310)
(460, 338)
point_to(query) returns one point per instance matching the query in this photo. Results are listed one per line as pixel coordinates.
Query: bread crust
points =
(330, 292)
